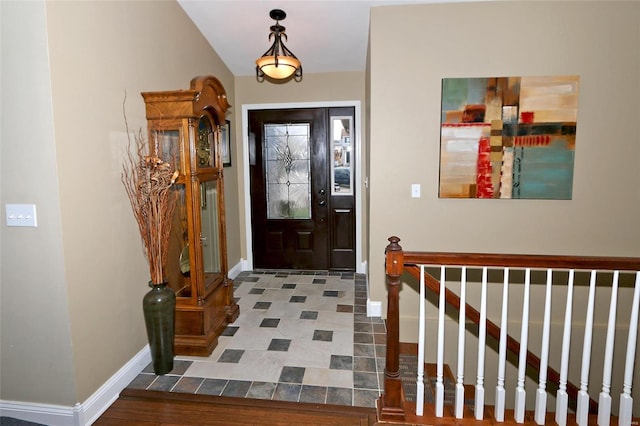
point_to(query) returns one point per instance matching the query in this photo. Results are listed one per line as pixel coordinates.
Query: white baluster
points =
(522, 359)
(562, 398)
(459, 406)
(626, 401)
(502, 353)
(482, 337)
(582, 411)
(421, 338)
(604, 402)
(541, 394)
(440, 359)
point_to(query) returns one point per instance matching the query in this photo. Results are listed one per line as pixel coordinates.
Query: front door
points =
(302, 189)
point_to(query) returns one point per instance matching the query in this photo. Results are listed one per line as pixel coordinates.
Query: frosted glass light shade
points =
(287, 65)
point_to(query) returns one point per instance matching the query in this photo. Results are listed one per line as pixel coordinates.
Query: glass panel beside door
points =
(342, 164)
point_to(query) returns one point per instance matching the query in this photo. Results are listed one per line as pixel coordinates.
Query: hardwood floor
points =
(154, 408)
(146, 408)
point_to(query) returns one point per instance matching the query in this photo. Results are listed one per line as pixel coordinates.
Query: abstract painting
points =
(508, 137)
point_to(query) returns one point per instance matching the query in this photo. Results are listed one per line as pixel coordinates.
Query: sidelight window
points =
(342, 164)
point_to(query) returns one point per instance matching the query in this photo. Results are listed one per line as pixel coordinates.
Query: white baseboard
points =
(374, 308)
(87, 412)
(39, 413)
(236, 269)
(97, 403)
(363, 268)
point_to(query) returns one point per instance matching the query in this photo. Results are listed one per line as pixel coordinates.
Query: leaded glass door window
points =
(287, 165)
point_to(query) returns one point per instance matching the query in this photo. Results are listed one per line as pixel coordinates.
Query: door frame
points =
(248, 265)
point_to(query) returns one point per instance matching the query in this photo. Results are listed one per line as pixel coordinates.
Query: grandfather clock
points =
(184, 125)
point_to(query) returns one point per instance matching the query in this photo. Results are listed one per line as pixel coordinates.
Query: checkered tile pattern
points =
(301, 336)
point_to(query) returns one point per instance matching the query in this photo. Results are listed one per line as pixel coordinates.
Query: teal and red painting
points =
(508, 137)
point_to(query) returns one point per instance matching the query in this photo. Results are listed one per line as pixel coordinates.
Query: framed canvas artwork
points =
(508, 137)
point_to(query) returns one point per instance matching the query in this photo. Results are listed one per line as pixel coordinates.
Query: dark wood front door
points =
(299, 218)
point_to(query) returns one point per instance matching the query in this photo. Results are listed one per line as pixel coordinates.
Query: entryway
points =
(302, 173)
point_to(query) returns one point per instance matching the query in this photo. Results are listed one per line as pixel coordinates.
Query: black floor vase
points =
(159, 306)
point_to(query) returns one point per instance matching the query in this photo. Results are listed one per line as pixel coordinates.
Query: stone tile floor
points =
(301, 336)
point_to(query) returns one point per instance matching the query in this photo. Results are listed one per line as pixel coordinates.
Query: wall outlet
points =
(21, 215)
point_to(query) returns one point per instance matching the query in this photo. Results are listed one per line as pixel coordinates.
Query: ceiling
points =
(326, 35)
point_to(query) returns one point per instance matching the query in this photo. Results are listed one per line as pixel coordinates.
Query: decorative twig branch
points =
(148, 180)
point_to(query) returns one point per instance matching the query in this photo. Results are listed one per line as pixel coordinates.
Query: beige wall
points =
(98, 275)
(36, 358)
(325, 87)
(598, 41)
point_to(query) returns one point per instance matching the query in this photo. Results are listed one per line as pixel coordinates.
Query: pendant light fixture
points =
(278, 62)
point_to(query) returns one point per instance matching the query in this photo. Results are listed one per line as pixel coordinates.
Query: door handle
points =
(321, 192)
(322, 202)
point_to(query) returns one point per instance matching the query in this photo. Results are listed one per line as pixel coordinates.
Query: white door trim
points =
(360, 266)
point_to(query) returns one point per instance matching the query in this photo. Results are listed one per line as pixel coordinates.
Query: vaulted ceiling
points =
(327, 35)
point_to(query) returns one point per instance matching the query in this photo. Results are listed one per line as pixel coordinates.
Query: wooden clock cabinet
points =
(185, 126)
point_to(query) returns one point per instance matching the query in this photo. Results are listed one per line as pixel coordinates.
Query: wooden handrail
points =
(522, 260)
(398, 261)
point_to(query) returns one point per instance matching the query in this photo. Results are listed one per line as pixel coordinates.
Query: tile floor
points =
(301, 336)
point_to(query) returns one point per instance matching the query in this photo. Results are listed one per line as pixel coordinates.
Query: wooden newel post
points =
(391, 405)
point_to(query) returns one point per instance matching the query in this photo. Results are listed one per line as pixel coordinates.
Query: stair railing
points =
(392, 402)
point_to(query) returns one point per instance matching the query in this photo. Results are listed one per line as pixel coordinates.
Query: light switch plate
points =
(415, 190)
(21, 215)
